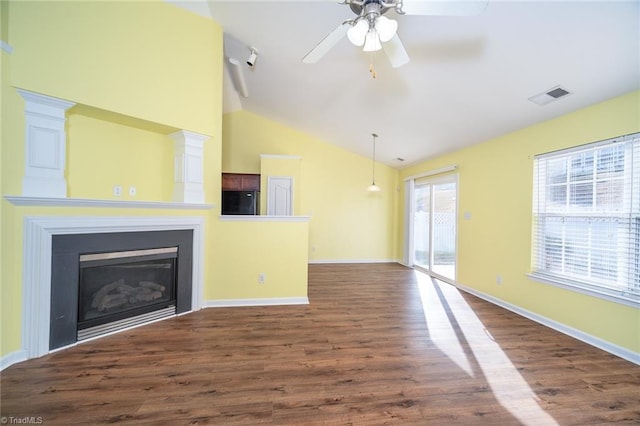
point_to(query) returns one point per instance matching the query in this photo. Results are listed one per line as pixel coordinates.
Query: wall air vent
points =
(549, 96)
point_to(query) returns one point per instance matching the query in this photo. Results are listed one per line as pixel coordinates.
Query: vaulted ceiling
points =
(469, 78)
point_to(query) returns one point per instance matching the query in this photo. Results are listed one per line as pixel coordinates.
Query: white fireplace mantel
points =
(20, 200)
(38, 235)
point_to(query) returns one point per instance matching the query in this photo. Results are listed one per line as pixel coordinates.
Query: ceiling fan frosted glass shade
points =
(358, 32)
(372, 42)
(386, 28)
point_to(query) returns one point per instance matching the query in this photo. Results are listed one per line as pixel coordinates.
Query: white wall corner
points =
(188, 166)
(45, 145)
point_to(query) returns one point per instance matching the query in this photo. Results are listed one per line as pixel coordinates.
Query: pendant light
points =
(373, 187)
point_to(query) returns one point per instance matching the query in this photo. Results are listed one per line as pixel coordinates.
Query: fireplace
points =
(115, 287)
(105, 282)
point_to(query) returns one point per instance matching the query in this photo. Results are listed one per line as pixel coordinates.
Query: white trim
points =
(582, 289)
(45, 106)
(19, 200)
(410, 216)
(281, 156)
(36, 267)
(588, 146)
(408, 228)
(12, 358)
(188, 166)
(322, 261)
(6, 47)
(445, 169)
(271, 301)
(263, 218)
(612, 348)
(45, 145)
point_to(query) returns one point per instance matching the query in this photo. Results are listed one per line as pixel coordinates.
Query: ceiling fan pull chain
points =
(372, 70)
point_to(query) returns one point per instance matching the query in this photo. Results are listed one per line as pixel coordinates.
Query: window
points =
(586, 212)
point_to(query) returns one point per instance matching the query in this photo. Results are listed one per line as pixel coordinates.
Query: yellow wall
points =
(118, 155)
(242, 250)
(347, 222)
(154, 61)
(119, 61)
(495, 187)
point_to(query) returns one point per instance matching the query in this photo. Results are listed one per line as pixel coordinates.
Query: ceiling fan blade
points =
(395, 52)
(444, 7)
(327, 43)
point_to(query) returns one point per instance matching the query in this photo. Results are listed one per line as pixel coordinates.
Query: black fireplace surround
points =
(67, 271)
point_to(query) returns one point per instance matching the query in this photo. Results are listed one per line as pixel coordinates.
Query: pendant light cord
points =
(374, 158)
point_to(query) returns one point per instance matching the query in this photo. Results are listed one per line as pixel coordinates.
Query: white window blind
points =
(586, 212)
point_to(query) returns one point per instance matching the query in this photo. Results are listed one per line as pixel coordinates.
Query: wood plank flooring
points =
(378, 344)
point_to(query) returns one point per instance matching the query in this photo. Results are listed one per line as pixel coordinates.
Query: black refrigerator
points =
(240, 202)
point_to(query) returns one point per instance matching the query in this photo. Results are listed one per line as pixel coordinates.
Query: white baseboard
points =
(270, 301)
(562, 328)
(12, 358)
(322, 261)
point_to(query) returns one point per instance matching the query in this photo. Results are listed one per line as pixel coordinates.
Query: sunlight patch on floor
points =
(441, 331)
(442, 301)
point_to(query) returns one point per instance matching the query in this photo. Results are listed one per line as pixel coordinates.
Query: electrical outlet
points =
(262, 278)
(117, 190)
(498, 279)
(132, 191)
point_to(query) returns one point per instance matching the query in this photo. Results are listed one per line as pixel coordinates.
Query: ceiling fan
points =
(374, 31)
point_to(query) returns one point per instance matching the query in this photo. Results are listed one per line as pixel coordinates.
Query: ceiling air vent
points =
(549, 96)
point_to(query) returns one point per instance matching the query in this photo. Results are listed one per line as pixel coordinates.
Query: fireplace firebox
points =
(105, 282)
(124, 284)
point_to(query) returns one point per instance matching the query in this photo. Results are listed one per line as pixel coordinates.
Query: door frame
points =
(435, 177)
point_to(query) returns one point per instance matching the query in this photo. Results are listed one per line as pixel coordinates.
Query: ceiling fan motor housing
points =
(365, 8)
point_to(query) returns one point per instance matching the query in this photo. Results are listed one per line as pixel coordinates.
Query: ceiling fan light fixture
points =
(372, 41)
(386, 28)
(358, 32)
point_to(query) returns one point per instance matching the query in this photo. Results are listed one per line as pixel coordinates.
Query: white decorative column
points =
(188, 159)
(45, 146)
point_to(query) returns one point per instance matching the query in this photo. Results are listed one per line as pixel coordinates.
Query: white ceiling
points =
(468, 81)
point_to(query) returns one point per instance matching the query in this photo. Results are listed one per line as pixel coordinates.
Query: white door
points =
(280, 196)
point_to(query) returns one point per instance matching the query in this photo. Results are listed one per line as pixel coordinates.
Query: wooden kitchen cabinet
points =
(240, 182)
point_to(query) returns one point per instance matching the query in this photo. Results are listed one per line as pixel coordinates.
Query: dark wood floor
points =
(377, 345)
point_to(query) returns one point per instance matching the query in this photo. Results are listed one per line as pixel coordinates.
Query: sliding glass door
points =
(434, 225)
